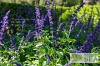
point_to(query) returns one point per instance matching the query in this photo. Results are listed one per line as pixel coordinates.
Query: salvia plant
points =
(44, 43)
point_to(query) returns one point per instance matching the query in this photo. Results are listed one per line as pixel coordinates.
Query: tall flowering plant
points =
(88, 43)
(49, 16)
(4, 26)
(39, 23)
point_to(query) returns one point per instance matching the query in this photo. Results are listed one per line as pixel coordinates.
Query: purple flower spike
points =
(76, 51)
(56, 46)
(88, 25)
(61, 26)
(28, 36)
(72, 25)
(17, 63)
(48, 57)
(49, 16)
(78, 35)
(78, 8)
(39, 23)
(13, 44)
(88, 43)
(86, 47)
(4, 26)
(75, 22)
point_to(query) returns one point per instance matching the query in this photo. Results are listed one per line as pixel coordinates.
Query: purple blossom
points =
(47, 4)
(41, 26)
(61, 26)
(19, 47)
(4, 26)
(76, 51)
(17, 63)
(28, 36)
(78, 21)
(13, 44)
(22, 26)
(77, 36)
(23, 23)
(49, 16)
(73, 22)
(86, 47)
(48, 57)
(88, 43)
(38, 22)
(94, 35)
(88, 24)
(56, 46)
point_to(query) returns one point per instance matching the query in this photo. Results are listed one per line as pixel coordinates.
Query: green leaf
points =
(71, 40)
(59, 54)
(63, 61)
(44, 63)
(94, 64)
(46, 49)
(39, 44)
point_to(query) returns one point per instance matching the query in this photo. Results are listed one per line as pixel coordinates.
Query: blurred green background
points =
(58, 2)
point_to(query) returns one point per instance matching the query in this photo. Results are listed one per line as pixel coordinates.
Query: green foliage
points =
(34, 53)
(13, 7)
(93, 2)
(72, 2)
(88, 9)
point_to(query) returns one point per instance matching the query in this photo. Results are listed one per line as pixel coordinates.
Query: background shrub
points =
(88, 10)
